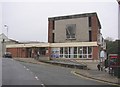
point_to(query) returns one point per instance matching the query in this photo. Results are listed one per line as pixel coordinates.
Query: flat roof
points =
(75, 16)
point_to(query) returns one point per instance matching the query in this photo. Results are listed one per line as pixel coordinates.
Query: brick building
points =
(69, 37)
(75, 36)
(28, 50)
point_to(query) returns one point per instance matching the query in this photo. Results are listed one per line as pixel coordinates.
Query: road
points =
(15, 72)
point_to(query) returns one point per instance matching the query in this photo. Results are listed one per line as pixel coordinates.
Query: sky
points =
(27, 20)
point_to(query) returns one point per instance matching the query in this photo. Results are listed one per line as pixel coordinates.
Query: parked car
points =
(7, 55)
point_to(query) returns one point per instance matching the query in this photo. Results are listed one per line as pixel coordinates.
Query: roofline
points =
(75, 16)
(73, 44)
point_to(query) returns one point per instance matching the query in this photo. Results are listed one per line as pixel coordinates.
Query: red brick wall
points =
(13, 51)
(49, 52)
(95, 53)
(94, 28)
(18, 52)
(50, 28)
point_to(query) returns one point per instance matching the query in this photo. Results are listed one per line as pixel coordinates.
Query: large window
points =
(55, 52)
(70, 31)
(72, 52)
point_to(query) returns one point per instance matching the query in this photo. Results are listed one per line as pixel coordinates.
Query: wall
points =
(50, 28)
(95, 53)
(82, 28)
(95, 28)
(17, 52)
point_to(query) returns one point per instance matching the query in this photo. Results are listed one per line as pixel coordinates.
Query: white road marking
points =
(24, 67)
(36, 77)
(43, 85)
(27, 69)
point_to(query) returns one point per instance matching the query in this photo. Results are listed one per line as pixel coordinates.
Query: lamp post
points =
(4, 41)
(6, 27)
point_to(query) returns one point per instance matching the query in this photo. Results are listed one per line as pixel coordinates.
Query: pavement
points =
(88, 73)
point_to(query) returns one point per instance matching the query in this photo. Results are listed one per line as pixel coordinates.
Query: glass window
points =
(61, 56)
(66, 50)
(75, 50)
(84, 56)
(90, 22)
(80, 56)
(61, 50)
(66, 55)
(80, 50)
(70, 31)
(89, 50)
(75, 56)
(84, 50)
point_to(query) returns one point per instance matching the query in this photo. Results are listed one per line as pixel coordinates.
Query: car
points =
(7, 55)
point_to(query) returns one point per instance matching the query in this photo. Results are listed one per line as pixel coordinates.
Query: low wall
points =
(43, 58)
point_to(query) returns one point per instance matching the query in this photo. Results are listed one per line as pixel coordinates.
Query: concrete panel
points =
(82, 29)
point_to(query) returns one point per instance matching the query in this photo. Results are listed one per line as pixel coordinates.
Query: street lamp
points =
(7, 29)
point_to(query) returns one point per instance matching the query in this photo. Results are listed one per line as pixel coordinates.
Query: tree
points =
(112, 46)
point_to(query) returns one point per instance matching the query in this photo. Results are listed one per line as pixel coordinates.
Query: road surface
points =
(13, 73)
(20, 73)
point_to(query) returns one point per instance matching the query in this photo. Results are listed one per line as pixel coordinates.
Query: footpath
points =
(89, 73)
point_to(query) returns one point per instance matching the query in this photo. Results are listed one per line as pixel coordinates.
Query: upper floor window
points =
(90, 21)
(70, 31)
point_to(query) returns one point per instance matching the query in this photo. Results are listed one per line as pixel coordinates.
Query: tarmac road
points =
(13, 73)
(56, 75)
(21, 73)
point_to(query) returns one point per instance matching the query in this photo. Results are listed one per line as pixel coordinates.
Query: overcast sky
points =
(28, 20)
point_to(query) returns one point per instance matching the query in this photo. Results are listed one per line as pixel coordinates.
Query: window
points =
(61, 52)
(84, 50)
(89, 50)
(53, 25)
(90, 35)
(55, 52)
(70, 31)
(66, 52)
(53, 36)
(73, 52)
(80, 52)
(90, 22)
